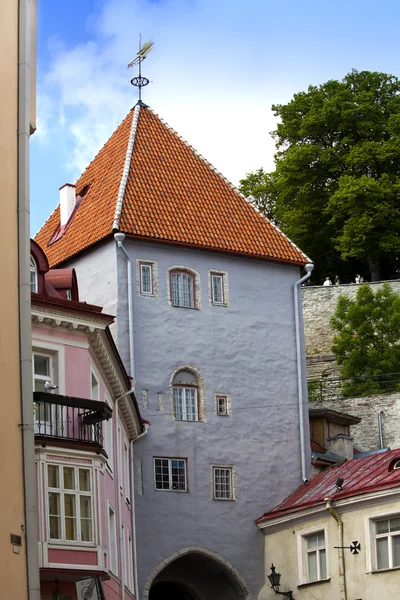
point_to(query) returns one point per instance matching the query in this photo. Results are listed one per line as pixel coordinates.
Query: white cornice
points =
(345, 504)
(64, 318)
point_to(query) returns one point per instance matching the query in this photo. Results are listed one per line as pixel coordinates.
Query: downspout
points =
(119, 487)
(119, 238)
(24, 300)
(380, 425)
(342, 570)
(135, 569)
(300, 376)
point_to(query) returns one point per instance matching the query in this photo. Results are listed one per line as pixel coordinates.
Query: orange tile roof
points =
(149, 183)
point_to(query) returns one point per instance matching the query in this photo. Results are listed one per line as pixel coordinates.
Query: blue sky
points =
(216, 68)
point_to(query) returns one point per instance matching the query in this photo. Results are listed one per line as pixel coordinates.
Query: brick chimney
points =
(67, 202)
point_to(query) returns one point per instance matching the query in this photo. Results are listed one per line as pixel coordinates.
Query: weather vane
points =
(140, 81)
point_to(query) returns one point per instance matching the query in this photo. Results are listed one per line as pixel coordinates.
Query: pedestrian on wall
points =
(327, 282)
(337, 280)
(359, 279)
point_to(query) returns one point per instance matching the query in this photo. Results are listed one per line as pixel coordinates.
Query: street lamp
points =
(274, 579)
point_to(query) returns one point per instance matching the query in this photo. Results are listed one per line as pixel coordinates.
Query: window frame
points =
(62, 492)
(302, 552)
(108, 438)
(147, 265)
(220, 276)
(33, 270)
(192, 277)
(112, 562)
(185, 408)
(371, 537)
(127, 470)
(232, 482)
(224, 397)
(170, 489)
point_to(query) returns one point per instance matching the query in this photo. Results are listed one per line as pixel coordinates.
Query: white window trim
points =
(185, 404)
(228, 404)
(33, 269)
(127, 469)
(112, 533)
(169, 459)
(225, 288)
(109, 426)
(93, 375)
(154, 278)
(57, 351)
(148, 266)
(302, 554)
(233, 483)
(369, 520)
(130, 585)
(61, 490)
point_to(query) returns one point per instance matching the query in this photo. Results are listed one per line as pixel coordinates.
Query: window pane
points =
(222, 484)
(396, 550)
(41, 365)
(312, 541)
(69, 478)
(69, 505)
(312, 566)
(178, 403)
(54, 514)
(395, 524)
(182, 293)
(84, 480)
(178, 474)
(86, 518)
(217, 290)
(322, 564)
(146, 278)
(55, 528)
(52, 471)
(161, 474)
(70, 517)
(190, 412)
(86, 530)
(382, 526)
(382, 555)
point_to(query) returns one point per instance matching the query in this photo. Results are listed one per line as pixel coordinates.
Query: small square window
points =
(146, 279)
(222, 483)
(170, 474)
(222, 405)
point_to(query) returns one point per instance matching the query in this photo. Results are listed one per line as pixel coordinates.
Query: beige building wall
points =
(283, 548)
(12, 518)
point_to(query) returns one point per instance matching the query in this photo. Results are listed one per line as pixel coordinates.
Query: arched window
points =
(185, 398)
(34, 275)
(183, 289)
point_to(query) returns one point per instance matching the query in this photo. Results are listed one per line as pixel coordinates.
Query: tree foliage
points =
(366, 340)
(336, 187)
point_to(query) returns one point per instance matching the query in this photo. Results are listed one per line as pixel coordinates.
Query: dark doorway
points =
(165, 590)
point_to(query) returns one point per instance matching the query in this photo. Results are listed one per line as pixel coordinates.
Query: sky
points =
(216, 68)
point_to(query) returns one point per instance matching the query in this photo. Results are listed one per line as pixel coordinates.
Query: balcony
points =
(66, 420)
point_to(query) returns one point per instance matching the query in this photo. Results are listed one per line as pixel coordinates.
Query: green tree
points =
(261, 187)
(366, 340)
(336, 187)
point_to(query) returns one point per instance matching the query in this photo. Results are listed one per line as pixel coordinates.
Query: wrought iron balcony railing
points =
(68, 418)
(320, 390)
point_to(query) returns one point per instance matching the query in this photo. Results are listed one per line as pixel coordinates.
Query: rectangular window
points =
(108, 434)
(95, 391)
(222, 483)
(182, 290)
(127, 470)
(387, 540)
(185, 404)
(217, 289)
(146, 279)
(222, 405)
(170, 474)
(112, 542)
(315, 556)
(70, 501)
(130, 563)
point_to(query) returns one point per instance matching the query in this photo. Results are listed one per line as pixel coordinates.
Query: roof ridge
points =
(127, 166)
(249, 200)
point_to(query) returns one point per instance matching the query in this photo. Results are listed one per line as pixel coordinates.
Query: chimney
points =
(341, 444)
(67, 202)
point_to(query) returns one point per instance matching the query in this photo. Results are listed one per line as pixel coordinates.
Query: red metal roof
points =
(361, 476)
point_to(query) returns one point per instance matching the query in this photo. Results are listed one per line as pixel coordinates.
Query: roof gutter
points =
(24, 300)
(342, 569)
(301, 375)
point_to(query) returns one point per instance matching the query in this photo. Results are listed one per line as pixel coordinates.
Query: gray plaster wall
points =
(246, 350)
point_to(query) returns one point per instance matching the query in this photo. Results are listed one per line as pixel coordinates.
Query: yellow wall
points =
(362, 584)
(13, 565)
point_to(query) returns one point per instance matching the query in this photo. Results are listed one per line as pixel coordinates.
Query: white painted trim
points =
(302, 555)
(127, 165)
(232, 470)
(56, 340)
(114, 533)
(225, 288)
(370, 548)
(196, 286)
(59, 317)
(52, 349)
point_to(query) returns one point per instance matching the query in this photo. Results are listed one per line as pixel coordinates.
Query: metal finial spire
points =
(144, 49)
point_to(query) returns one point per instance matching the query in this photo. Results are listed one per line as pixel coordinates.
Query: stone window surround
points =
(196, 285)
(370, 520)
(302, 554)
(201, 393)
(154, 273)
(228, 404)
(225, 287)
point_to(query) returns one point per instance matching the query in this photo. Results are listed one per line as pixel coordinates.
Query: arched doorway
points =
(195, 574)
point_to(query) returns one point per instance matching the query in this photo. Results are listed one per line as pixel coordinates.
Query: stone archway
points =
(195, 573)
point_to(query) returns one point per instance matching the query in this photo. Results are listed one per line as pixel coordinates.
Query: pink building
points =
(86, 420)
